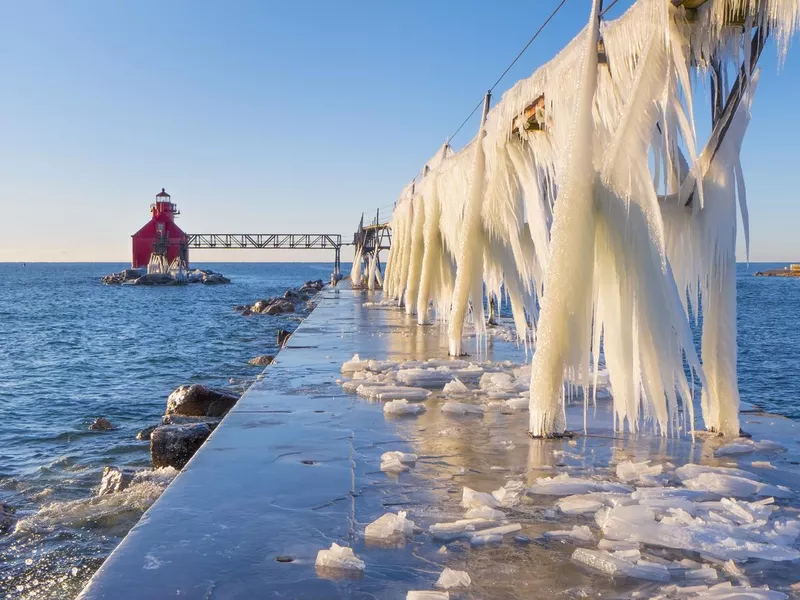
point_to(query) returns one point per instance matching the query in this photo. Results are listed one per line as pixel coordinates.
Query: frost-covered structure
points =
(587, 196)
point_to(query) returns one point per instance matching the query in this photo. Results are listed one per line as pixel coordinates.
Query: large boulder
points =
(199, 401)
(262, 361)
(212, 422)
(174, 445)
(156, 279)
(214, 279)
(7, 517)
(282, 337)
(101, 424)
(115, 480)
(144, 434)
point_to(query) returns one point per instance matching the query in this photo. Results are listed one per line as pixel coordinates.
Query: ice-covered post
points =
(470, 246)
(565, 319)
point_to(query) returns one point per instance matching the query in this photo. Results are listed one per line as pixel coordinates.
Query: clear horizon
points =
(281, 117)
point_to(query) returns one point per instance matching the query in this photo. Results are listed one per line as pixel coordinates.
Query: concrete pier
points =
(295, 466)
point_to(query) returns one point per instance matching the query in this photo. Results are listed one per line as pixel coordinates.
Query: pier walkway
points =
(295, 466)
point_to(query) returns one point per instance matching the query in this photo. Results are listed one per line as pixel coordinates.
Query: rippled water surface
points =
(72, 349)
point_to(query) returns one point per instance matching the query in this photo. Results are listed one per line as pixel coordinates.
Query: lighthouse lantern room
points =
(161, 240)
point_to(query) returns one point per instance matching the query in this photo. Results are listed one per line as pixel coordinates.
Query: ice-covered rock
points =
(397, 462)
(390, 526)
(340, 558)
(451, 578)
(199, 401)
(461, 408)
(403, 407)
(174, 445)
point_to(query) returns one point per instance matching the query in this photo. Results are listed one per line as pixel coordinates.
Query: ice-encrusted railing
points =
(618, 264)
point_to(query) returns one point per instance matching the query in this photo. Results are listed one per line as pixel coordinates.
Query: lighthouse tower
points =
(161, 236)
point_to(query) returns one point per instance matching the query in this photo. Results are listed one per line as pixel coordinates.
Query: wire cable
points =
(513, 62)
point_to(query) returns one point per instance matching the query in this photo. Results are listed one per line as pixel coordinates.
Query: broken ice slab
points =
(425, 595)
(425, 378)
(354, 364)
(728, 591)
(461, 408)
(340, 558)
(616, 545)
(564, 485)
(393, 392)
(746, 446)
(580, 533)
(403, 407)
(390, 526)
(472, 499)
(485, 512)
(518, 403)
(509, 495)
(455, 387)
(463, 528)
(691, 470)
(732, 485)
(451, 578)
(397, 462)
(629, 471)
(605, 562)
(762, 464)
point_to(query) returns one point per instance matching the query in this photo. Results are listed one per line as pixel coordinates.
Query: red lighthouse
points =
(161, 236)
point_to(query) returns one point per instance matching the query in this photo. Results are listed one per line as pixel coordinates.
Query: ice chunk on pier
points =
(403, 407)
(393, 392)
(746, 446)
(472, 499)
(428, 378)
(455, 387)
(578, 532)
(610, 564)
(485, 512)
(732, 485)
(390, 526)
(642, 472)
(340, 558)
(564, 485)
(509, 494)
(397, 462)
(690, 471)
(453, 579)
(426, 595)
(461, 408)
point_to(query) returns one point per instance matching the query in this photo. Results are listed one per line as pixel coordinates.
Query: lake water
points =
(72, 349)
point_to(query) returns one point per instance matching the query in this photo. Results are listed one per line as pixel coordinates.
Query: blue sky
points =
(266, 116)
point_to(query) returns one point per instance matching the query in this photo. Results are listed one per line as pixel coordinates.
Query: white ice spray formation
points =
(586, 195)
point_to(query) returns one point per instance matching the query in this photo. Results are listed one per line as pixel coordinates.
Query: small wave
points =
(100, 511)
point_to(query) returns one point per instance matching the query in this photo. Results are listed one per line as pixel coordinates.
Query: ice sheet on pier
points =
(657, 212)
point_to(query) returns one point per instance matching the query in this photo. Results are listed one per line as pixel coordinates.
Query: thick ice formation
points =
(587, 195)
(340, 558)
